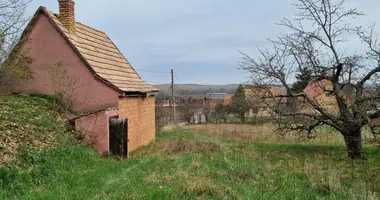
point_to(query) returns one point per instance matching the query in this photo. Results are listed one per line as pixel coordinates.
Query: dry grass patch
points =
(189, 146)
(177, 146)
(204, 188)
(233, 131)
(266, 134)
(240, 176)
(29, 122)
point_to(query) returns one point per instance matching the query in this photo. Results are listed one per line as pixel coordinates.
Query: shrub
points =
(15, 72)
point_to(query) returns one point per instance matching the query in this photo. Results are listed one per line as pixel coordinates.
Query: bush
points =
(15, 72)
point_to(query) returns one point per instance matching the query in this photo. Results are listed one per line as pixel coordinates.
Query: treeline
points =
(193, 89)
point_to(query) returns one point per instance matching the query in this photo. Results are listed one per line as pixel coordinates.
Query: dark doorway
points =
(118, 129)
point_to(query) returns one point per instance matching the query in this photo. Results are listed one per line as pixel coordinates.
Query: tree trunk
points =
(354, 146)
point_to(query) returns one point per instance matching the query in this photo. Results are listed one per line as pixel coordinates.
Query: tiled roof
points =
(255, 93)
(227, 100)
(102, 55)
(318, 87)
(273, 90)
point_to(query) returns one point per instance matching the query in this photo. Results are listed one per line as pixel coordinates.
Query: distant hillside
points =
(195, 89)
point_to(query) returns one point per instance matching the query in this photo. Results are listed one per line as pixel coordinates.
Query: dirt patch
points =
(183, 146)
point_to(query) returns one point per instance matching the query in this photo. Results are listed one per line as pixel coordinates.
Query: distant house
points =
(101, 85)
(197, 105)
(320, 91)
(227, 100)
(210, 100)
(261, 98)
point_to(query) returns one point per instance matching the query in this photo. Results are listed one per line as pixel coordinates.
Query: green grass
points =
(186, 165)
(28, 122)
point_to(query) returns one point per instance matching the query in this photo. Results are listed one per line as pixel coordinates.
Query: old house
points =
(262, 99)
(320, 91)
(84, 67)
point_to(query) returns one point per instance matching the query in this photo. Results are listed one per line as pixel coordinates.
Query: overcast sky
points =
(199, 39)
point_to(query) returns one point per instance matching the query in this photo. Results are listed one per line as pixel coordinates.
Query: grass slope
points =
(186, 165)
(28, 122)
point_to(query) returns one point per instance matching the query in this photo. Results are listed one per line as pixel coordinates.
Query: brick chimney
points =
(67, 14)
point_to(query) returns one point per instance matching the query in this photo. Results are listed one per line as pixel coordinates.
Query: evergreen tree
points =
(239, 103)
(303, 78)
(221, 112)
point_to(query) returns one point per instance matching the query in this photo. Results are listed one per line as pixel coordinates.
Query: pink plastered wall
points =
(48, 47)
(95, 129)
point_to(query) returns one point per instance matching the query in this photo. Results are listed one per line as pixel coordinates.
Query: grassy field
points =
(185, 165)
(192, 164)
(266, 134)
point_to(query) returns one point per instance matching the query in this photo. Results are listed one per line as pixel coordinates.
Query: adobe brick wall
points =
(140, 112)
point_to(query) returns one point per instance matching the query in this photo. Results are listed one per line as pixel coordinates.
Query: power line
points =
(161, 72)
(178, 79)
(156, 82)
(156, 72)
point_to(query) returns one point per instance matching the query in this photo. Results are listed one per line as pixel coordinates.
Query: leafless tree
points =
(207, 109)
(255, 95)
(163, 113)
(12, 23)
(14, 72)
(316, 39)
(189, 109)
(65, 88)
(13, 63)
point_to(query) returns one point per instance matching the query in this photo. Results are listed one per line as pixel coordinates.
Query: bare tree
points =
(12, 23)
(207, 109)
(315, 40)
(13, 63)
(257, 104)
(14, 72)
(65, 88)
(163, 113)
(189, 109)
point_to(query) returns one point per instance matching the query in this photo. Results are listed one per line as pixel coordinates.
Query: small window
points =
(328, 94)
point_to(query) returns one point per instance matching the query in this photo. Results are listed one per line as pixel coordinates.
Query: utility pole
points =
(173, 99)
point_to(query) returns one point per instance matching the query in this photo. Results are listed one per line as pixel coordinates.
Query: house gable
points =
(45, 44)
(99, 54)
